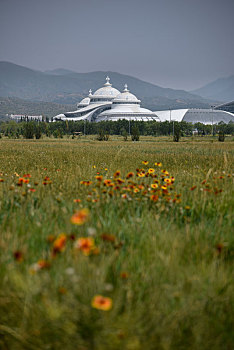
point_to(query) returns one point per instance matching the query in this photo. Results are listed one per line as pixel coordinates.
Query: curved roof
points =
(84, 102)
(126, 97)
(106, 91)
(205, 116)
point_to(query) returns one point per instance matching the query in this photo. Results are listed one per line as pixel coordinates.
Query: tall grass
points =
(168, 268)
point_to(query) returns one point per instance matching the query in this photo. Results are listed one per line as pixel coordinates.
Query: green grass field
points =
(160, 256)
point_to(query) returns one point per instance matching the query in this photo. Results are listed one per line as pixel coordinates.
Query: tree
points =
(124, 134)
(135, 133)
(38, 131)
(177, 132)
(28, 130)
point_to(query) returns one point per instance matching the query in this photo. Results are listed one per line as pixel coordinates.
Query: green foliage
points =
(177, 132)
(221, 137)
(135, 133)
(28, 130)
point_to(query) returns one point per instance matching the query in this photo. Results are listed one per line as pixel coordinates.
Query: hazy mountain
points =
(59, 71)
(69, 88)
(221, 89)
(13, 105)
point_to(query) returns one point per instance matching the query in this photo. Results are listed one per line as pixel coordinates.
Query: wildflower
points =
(120, 181)
(105, 169)
(151, 171)
(141, 174)
(50, 238)
(41, 264)
(154, 197)
(59, 244)
(129, 175)
(164, 187)
(62, 290)
(80, 217)
(158, 164)
(117, 173)
(94, 166)
(107, 182)
(154, 186)
(1, 180)
(99, 178)
(18, 256)
(85, 245)
(193, 188)
(219, 247)
(101, 303)
(145, 162)
(187, 207)
(168, 181)
(76, 200)
(124, 196)
(124, 275)
(32, 190)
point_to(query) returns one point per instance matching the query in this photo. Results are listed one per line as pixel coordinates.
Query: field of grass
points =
(160, 257)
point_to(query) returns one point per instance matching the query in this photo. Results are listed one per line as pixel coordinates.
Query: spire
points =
(107, 81)
(90, 92)
(126, 88)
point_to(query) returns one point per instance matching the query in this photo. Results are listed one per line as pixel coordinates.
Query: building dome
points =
(126, 97)
(106, 93)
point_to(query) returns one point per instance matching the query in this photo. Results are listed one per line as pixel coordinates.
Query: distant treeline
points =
(36, 129)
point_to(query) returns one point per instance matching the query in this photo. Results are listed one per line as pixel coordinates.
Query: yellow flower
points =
(80, 217)
(154, 186)
(158, 164)
(145, 162)
(151, 171)
(168, 181)
(141, 174)
(101, 303)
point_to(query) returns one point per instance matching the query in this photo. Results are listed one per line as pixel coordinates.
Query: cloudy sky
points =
(172, 43)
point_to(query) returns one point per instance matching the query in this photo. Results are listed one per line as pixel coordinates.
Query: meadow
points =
(116, 245)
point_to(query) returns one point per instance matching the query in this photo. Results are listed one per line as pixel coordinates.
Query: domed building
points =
(107, 103)
(127, 106)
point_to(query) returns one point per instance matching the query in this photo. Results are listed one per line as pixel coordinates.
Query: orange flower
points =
(117, 173)
(120, 181)
(124, 196)
(80, 217)
(59, 244)
(145, 162)
(107, 182)
(193, 188)
(129, 175)
(151, 171)
(76, 200)
(32, 190)
(154, 186)
(154, 197)
(124, 275)
(101, 303)
(86, 245)
(99, 178)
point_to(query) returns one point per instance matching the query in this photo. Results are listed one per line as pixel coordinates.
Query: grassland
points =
(166, 263)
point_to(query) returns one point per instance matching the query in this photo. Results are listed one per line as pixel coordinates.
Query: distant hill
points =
(59, 71)
(69, 87)
(13, 105)
(221, 89)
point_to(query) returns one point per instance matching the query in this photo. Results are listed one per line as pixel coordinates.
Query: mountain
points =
(59, 71)
(69, 88)
(221, 89)
(13, 105)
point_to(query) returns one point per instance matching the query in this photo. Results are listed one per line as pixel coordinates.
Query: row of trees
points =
(35, 129)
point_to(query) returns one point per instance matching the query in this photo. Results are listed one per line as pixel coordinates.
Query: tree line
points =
(134, 129)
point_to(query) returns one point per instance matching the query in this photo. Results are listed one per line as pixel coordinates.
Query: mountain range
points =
(63, 86)
(221, 89)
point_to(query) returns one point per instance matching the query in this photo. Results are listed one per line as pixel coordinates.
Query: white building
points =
(107, 103)
(19, 117)
(204, 116)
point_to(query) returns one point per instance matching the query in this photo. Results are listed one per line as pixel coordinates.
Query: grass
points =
(167, 267)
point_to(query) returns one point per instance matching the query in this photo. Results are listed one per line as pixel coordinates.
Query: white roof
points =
(84, 102)
(106, 91)
(126, 97)
(174, 114)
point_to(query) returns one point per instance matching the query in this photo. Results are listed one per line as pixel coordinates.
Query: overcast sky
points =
(172, 43)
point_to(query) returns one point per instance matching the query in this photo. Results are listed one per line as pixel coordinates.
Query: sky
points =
(181, 44)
